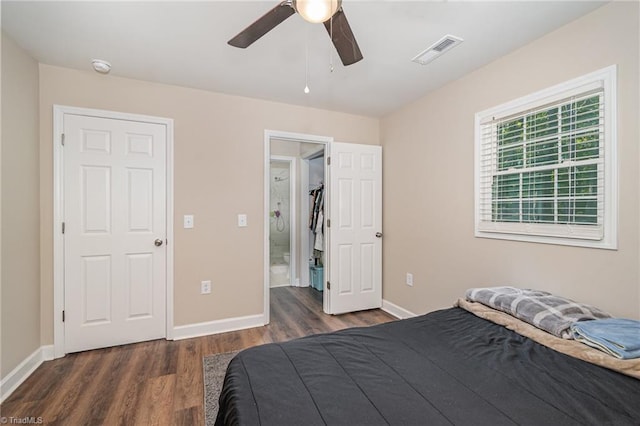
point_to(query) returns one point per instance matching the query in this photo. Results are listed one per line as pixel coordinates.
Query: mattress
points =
(446, 367)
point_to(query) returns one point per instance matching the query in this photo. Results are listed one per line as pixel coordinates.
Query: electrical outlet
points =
(409, 279)
(205, 287)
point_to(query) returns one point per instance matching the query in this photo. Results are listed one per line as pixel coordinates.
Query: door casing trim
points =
(58, 212)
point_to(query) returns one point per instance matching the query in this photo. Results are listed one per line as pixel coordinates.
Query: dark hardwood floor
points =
(160, 382)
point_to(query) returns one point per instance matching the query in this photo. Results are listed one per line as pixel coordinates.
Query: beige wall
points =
(428, 179)
(219, 158)
(20, 291)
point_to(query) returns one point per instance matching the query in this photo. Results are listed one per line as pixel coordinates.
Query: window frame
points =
(551, 233)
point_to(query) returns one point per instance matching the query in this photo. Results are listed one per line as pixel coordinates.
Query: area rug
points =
(214, 366)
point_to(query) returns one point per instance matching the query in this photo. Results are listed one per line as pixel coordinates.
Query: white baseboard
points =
(215, 327)
(282, 285)
(19, 374)
(396, 311)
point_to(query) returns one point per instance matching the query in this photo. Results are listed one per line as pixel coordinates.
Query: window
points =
(546, 165)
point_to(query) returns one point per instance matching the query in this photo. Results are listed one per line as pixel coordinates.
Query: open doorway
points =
(351, 258)
(282, 218)
(294, 166)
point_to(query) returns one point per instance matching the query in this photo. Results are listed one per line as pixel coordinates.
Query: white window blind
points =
(541, 165)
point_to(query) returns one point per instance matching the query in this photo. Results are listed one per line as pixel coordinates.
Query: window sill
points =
(606, 244)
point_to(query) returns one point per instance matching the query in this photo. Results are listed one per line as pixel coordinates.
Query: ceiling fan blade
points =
(263, 25)
(343, 38)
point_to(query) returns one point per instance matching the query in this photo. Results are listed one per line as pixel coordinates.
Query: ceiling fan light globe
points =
(316, 11)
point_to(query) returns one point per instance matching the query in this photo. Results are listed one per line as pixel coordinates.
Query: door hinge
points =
(328, 223)
(62, 139)
(328, 285)
(63, 227)
(328, 161)
(62, 316)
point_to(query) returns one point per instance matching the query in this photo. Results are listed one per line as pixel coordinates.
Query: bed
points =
(446, 367)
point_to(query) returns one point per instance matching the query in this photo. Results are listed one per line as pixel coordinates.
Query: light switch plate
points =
(188, 221)
(242, 220)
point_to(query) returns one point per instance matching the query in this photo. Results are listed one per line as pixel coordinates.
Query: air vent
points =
(446, 43)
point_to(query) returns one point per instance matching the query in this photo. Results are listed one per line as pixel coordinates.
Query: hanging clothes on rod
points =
(317, 204)
(316, 221)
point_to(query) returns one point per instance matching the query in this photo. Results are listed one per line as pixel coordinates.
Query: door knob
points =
(378, 234)
(158, 242)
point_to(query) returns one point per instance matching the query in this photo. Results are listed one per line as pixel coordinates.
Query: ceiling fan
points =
(328, 12)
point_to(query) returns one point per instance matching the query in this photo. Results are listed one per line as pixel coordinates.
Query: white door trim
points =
(58, 213)
(303, 225)
(294, 137)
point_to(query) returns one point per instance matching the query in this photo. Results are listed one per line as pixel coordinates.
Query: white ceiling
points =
(185, 43)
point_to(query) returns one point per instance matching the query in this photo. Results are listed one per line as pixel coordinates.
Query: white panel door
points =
(355, 232)
(115, 230)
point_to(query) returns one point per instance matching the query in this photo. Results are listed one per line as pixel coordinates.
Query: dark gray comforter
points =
(447, 367)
